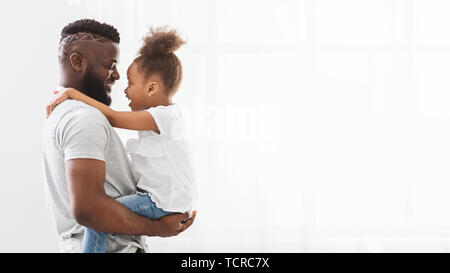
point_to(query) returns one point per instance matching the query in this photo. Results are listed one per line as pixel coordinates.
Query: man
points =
(85, 163)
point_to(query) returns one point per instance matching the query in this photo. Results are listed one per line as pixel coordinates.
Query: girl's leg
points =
(93, 241)
(142, 205)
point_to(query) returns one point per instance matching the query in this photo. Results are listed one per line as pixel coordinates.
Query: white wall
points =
(318, 125)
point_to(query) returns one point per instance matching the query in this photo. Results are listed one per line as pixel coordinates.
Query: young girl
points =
(160, 157)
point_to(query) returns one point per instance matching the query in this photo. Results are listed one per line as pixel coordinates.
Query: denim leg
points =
(142, 205)
(93, 241)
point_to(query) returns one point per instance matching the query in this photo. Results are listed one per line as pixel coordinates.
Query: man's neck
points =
(73, 84)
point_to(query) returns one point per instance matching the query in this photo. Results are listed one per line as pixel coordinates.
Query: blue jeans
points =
(95, 241)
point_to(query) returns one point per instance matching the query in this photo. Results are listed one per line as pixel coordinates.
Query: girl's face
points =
(137, 89)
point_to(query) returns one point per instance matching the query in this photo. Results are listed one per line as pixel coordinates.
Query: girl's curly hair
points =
(157, 57)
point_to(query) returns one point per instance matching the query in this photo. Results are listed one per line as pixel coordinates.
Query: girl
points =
(160, 158)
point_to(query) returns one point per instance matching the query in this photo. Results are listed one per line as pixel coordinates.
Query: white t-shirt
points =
(77, 130)
(162, 163)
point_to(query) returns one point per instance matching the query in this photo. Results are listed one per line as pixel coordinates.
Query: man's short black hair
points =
(91, 26)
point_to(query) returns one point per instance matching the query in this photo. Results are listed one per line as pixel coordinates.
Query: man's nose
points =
(115, 74)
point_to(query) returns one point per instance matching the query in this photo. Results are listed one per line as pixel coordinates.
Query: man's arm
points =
(92, 208)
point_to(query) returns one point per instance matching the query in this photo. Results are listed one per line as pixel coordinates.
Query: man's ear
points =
(77, 61)
(153, 88)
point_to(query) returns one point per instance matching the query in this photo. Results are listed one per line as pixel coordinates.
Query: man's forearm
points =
(107, 215)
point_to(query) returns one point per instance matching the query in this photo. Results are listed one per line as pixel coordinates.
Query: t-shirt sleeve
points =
(84, 136)
(164, 118)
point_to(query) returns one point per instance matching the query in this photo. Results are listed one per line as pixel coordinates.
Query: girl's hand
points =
(59, 96)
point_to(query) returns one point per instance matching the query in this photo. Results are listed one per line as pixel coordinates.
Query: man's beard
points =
(95, 88)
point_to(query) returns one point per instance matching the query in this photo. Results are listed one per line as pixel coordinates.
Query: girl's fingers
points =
(52, 107)
(48, 110)
(57, 99)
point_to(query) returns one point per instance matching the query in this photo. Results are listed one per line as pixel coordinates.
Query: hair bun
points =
(160, 41)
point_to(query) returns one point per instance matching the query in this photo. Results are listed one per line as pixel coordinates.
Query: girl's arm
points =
(139, 121)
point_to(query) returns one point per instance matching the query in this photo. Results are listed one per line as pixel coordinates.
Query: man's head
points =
(88, 53)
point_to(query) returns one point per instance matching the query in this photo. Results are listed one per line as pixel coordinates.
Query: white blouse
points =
(162, 163)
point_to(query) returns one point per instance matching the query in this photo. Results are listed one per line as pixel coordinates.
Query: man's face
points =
(101, 72)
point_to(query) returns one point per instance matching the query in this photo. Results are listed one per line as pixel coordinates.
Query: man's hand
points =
(173, 224)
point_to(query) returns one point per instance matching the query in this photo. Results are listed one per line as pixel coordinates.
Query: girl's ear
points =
(78, 62)
(153, 89)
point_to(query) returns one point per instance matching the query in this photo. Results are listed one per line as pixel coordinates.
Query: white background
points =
(317, 125)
